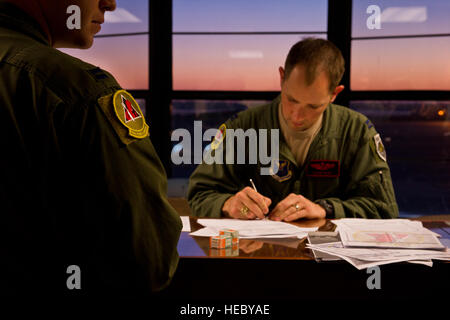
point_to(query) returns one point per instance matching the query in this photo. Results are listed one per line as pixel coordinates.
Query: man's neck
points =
(34, 9)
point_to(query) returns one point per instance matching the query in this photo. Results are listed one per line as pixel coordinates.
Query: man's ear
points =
(282, 73)
(336, 91)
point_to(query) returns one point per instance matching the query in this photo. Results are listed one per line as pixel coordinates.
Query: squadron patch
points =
(284, 172)
(125, 116)
(381, 151)
(219, 137)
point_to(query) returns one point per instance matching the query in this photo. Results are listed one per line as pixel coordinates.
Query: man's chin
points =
(85, 42)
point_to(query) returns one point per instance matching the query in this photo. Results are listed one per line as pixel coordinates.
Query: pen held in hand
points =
(253, 185)
(254, 188)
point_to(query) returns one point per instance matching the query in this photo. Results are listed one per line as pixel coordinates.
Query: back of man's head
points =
(316, 55)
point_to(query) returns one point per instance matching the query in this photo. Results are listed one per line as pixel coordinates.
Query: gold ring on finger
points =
(244, 211)
(297, 207)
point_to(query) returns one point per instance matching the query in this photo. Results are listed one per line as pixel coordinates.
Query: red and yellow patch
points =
(129, 114)
(219, 137)
(125, 116)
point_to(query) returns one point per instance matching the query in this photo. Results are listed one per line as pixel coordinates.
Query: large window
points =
(416, 135)
(407, 58)
(126, 57)
(402, 18)
(214, 58)
(410, 64)
(233, 46)
(207, 114)
(407, 50)
(238, 45)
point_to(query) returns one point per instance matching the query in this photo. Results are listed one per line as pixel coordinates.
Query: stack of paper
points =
(251, 228)
(366, 243)
(396, 233)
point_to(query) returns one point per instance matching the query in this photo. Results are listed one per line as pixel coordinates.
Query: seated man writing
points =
(331, 160)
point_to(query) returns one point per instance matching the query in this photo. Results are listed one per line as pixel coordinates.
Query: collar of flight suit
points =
(12, 17)
(319, 141)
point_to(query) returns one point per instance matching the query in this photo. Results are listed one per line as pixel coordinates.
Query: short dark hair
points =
(316, 55)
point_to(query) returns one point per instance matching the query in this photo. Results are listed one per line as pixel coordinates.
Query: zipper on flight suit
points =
(315, 146)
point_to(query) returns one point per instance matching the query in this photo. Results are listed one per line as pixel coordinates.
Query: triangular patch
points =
(130, 114)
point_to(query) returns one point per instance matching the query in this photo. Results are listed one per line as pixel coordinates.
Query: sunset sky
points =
(416, 17)
(250, 62)
(249, 15)
(125, 57)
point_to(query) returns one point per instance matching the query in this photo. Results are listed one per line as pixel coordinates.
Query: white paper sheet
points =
(251, 228)
(369, 257)
(428, 263)
(186, 224)
(370, 242)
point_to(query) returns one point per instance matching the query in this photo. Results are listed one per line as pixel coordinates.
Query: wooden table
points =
(285, 270)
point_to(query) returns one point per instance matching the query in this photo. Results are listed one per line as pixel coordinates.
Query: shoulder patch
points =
(219, 137)
(125, 116)
(381, 151)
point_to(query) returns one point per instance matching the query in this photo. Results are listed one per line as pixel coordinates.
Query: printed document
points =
(366, 243)
(251, 228)
(395, 233)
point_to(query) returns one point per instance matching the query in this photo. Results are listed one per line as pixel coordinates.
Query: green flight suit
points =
(345, 166)
(76, 188)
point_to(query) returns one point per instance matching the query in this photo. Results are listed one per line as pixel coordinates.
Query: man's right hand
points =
(236, 206)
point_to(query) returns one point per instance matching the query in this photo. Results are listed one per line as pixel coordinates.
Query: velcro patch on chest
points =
(323, 169)
(125, 116)
(284, 171)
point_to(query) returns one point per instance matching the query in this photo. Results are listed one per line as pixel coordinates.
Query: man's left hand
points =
(294, 207)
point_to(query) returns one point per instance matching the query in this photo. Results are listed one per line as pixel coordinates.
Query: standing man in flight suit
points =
(83, 192)
(332, 162)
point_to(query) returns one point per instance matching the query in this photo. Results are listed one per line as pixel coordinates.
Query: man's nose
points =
(299, 113)
(108, 5)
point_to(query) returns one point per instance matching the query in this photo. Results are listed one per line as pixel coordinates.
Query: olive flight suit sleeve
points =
(210, 185)
(125, 192)
(369, 192)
